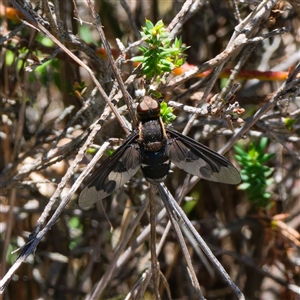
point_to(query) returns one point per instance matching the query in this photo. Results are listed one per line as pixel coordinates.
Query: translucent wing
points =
(114, 172)
(199, 160)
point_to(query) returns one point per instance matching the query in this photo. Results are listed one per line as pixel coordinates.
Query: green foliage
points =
(45, 41)
(255, 174)
(76, 230)
(9, 59)
(166, 113)
(159, 54)
(47, 71)
(16, 57)
(189, 206)
(86, 34)
(11, 255)
(109, 152)
(289, 123)
(91, 150)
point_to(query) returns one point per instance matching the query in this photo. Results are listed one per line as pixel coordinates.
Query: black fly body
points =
(152, 147)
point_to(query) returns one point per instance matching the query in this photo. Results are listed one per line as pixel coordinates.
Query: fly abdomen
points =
(155, 165)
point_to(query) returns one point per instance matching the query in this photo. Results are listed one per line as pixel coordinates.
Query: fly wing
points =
(199, 160)
(113, 173)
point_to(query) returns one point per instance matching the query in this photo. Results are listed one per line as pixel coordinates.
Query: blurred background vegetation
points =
(253, 229)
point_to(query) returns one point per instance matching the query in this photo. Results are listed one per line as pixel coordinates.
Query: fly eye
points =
(148, 108)
(148, 104)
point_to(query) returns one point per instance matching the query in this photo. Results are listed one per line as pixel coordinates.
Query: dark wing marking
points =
(199, 160)
(114, 172)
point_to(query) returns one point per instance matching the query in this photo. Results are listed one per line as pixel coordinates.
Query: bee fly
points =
(152, 147)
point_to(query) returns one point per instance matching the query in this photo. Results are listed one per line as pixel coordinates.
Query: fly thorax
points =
(151, 135)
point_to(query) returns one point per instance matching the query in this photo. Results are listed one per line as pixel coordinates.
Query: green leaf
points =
(91, 150)
(244, 186)
(9, 57)
(155, 94)
(45, 41)
(268, 173)
(265, 157)
(289, 123)
(138, 59)
(11, 257)
(86, 34)
(240, 151)
(245, 177)
(262, 144)
(267, 195)
(149, 25)
(74, 222)
(189, 206)
(166, 63)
